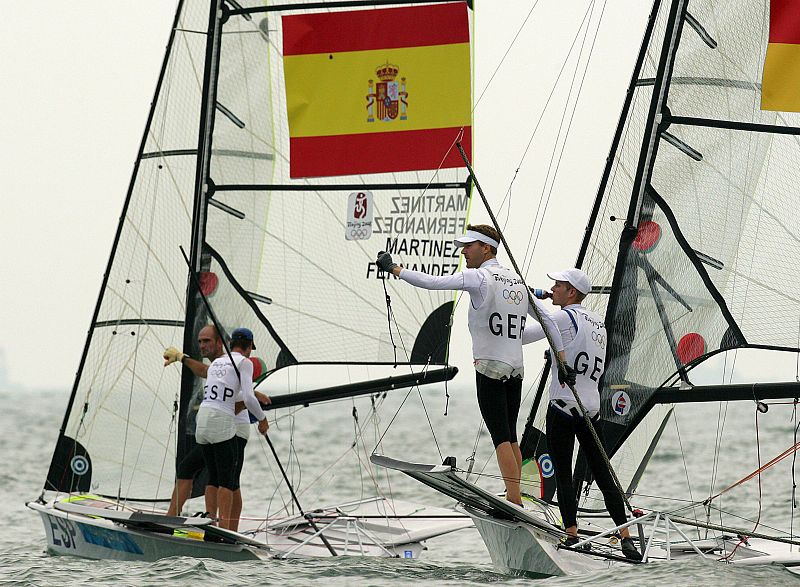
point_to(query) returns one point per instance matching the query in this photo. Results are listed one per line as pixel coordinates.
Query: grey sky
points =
(78, 79)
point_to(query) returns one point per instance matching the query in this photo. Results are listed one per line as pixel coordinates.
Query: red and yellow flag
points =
(371, 91)
(780, 86)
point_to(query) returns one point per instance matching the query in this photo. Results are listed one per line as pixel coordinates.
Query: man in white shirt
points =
(497, 314)
(210, 344)
(216, 419)
(584, 336)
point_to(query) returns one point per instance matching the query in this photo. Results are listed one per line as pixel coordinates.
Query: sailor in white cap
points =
(583, 333)
(497, 314)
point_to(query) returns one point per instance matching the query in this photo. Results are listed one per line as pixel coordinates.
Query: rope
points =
(793, 504)
(757, 473)
(538, 316)
(415, 387)
(685, 467)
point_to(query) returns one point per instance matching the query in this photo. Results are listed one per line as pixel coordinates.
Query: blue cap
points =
(243, 334)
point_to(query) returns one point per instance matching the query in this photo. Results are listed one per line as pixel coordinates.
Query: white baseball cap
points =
(471, 236)
(575, 277)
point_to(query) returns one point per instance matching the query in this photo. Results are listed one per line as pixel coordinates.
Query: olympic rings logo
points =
(359, 233)
(513, 296)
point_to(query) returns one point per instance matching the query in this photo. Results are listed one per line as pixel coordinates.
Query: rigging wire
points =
(793, 503)
(552, 176)
(539, 121)
(685, 466)
(503, 58)
(743, 539)
(392, 319)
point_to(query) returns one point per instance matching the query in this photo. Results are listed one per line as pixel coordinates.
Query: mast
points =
(647, 157)
(648, 33)
(120, 224)
(201, 194)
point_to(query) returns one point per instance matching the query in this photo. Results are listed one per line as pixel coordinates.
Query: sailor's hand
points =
(172, 355)
(238, 407)
(263, 426)
(262, 397)
(566, 375)
(384, 262)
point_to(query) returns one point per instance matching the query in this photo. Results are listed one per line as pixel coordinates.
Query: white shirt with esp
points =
(222, 390)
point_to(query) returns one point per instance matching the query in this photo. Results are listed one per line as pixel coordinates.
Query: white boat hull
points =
(519, 548)
(522, 549)
(99, 539)
(366, 528)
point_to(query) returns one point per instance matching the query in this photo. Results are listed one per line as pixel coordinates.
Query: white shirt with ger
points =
(497, 313)
(584, 336)
(216, 418)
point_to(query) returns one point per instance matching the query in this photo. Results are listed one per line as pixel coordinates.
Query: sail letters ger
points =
(780, 89)
(371, 91)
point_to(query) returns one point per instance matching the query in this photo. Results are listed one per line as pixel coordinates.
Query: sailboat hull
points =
(99, 539)
(519, 548)
(369, 527)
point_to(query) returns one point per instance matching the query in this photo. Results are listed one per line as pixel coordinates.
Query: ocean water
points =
(322, 440)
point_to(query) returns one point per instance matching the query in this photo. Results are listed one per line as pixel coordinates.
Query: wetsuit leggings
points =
(222, 462)
(499, 402)
(192, 463)
(562, 429)
(241, 443)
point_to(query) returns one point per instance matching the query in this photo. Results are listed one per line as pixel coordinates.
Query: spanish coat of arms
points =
(388, 97)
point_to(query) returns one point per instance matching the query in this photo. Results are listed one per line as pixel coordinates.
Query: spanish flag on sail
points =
(780, 85)
(371, 91)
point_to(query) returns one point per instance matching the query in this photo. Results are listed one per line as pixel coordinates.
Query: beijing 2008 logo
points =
(513, 296)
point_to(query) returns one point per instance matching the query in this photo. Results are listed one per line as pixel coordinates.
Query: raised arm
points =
(548, 323)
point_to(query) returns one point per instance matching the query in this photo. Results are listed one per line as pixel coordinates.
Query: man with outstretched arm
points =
(497, 313)
(210, 344)
(584, 336)
(211, 347)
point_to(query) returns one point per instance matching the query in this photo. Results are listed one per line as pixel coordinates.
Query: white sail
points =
(271, 252)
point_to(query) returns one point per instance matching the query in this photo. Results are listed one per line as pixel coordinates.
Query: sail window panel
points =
(663, 298)
(762, 297)
(601, 256)
(250, 86)
(328, 302)
(732, 206)
(130, 409)
(148, 275)
(711, 198)
(194, 16)
(724, 83)
(245, 88)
